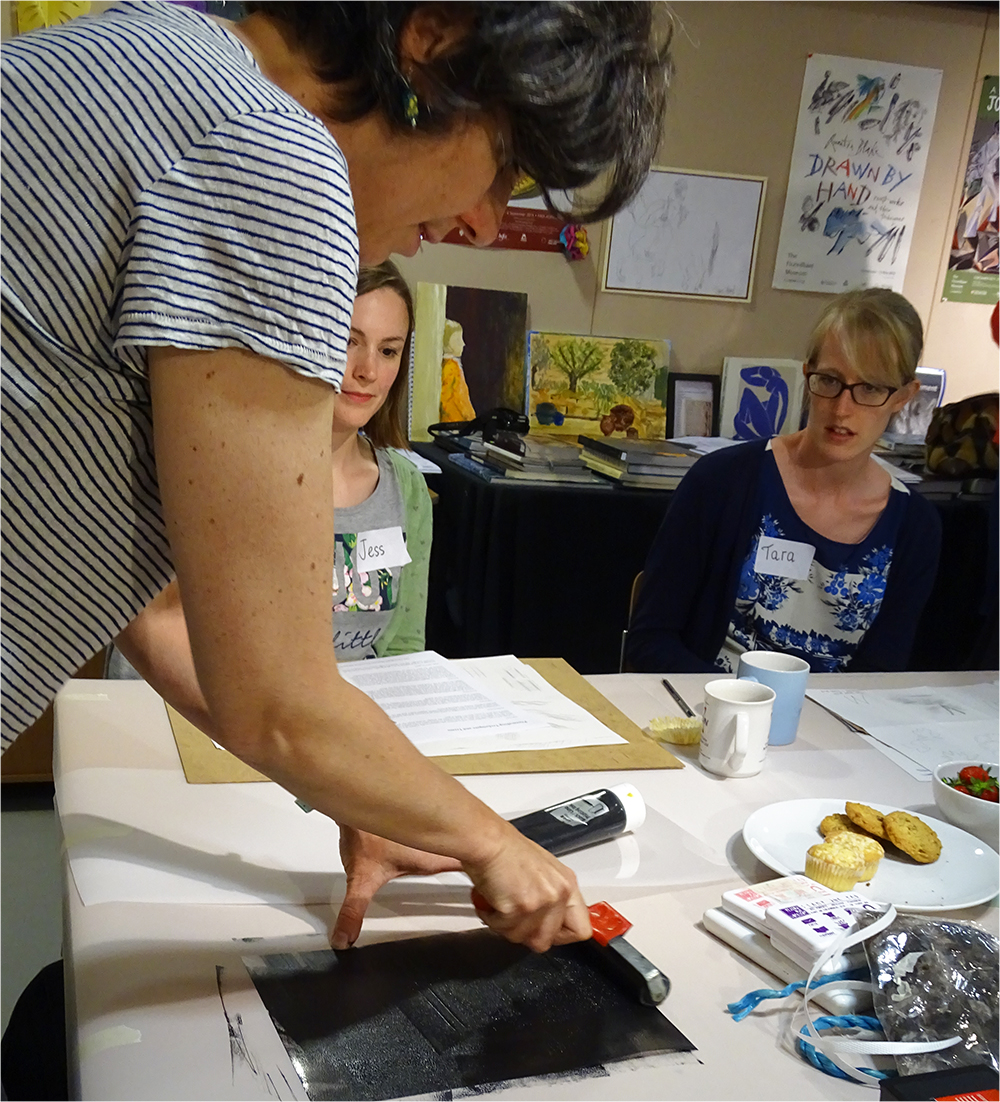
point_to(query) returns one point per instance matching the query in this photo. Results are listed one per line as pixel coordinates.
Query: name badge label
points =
(783, 558)
(381, 549)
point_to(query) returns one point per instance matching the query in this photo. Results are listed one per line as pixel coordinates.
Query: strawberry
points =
(977, 781)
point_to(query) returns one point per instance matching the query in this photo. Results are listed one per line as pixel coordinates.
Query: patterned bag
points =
(962, 439)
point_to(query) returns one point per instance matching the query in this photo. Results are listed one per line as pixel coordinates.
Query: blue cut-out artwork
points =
(756, 419)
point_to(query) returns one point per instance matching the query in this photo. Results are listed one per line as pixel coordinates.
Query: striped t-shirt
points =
(158, 190)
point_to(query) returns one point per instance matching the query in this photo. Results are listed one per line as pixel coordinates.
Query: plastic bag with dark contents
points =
(935, 979)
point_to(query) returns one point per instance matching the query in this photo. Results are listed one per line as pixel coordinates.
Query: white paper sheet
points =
(474, 706)
(566, 723)
(703, 445)
(432, 700)
(919, 728)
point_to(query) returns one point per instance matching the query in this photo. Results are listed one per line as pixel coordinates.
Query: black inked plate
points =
(450, 1011)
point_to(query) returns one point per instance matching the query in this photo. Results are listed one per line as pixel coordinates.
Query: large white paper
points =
(921, 727)
(864, 128)
(474, 705)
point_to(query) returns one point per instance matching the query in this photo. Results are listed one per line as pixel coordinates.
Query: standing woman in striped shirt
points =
(186, 201)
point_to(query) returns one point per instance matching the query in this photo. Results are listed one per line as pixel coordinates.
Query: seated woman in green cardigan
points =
(382, 509)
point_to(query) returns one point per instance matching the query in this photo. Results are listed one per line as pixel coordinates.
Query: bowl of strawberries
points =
(966, 795)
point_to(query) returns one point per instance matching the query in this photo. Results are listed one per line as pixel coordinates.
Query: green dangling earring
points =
(411, 106)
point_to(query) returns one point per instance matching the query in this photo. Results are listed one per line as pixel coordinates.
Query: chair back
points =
(633, 600)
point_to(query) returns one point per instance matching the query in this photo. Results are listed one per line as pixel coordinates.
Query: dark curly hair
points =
(583, 84)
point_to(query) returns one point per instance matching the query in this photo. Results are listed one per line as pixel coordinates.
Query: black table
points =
(547, 571)
(535, 571)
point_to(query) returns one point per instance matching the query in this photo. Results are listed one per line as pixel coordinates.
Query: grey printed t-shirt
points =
(363, 602)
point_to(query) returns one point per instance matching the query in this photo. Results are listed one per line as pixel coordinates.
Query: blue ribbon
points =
(750, 1001)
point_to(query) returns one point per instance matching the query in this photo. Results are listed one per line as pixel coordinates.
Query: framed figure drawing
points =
(693, 405)
(761, 398)
(689, 234)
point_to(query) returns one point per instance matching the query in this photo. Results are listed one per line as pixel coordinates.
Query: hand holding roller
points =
(572, 825)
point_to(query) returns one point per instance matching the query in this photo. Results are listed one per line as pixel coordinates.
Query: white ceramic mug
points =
(737, 721)
(788, 676)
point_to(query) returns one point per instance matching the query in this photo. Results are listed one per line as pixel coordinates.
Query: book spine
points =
(473, 466)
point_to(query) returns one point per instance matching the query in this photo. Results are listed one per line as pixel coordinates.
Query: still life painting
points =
(597, 386)
(761, 398)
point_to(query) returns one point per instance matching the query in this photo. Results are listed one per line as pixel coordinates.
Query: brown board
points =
(204, 763)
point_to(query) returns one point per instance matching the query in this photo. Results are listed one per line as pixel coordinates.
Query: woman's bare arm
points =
(156, 643)
(243, 461)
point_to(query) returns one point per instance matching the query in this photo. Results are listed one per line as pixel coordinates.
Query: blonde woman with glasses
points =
(803, 543)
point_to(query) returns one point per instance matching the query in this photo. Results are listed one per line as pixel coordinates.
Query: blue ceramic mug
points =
(787, 676)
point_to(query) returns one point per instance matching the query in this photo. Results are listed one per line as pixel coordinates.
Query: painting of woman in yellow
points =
(456, 405)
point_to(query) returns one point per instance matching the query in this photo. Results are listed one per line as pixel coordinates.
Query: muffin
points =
(677, 730)
(867, 849)
(835, 863)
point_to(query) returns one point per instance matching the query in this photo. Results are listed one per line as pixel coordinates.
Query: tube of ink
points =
(584, 820)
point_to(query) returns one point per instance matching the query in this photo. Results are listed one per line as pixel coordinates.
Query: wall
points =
(733, 108)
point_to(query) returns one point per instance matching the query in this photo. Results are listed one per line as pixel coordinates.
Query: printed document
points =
(474, 705)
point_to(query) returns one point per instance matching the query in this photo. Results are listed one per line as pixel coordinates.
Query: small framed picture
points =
(914, 419)
(761, 397)
(692, 405)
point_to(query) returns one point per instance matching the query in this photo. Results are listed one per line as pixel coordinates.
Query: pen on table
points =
(680, 700)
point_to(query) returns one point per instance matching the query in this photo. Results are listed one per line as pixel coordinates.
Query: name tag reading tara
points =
(784, 558)
(381, 549)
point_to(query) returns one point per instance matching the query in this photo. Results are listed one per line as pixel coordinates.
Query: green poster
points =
(972, 274)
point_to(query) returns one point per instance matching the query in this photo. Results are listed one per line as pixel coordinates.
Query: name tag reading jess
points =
(784, 558)
(381, 549)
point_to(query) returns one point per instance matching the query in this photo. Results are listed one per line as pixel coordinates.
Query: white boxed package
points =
(751, 903)
(804, 928)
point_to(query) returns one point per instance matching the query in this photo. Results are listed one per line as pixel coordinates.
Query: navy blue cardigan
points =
(693, 571)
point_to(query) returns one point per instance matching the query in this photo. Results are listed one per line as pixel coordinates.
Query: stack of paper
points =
(474, 705)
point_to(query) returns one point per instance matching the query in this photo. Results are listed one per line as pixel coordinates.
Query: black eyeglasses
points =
(865, 394)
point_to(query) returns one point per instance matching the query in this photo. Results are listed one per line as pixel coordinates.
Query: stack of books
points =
(649, 464)
(540, 461)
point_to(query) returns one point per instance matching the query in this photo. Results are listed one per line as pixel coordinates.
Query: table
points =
(548, 570)
(143, 1002)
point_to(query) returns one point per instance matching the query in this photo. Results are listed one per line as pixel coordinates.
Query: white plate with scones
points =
(966, 873)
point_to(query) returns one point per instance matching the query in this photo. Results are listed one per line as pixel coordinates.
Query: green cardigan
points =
(405, 633)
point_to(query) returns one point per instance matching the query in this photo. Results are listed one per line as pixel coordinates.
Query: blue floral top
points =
(824, 617)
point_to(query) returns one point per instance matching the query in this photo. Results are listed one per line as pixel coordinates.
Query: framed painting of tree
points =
(611, 386)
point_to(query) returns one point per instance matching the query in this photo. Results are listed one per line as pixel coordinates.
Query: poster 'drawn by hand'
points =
(861, 142)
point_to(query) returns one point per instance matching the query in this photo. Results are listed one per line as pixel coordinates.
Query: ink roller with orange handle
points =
(575, 824)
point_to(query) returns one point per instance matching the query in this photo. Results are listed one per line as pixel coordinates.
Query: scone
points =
(677, 730)
(835, 823)
(913, 836)
(867, 849)
(866, 817)
(835, 863)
